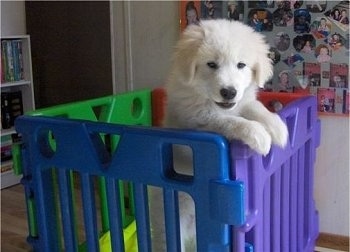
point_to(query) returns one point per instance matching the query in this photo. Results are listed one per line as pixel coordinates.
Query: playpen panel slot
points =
(47, 143)
(67, 210)
(115, 213)
(171, 214)
(157, 218)
(300, 202)
(183, 161)
(276, 195)
(285, 207)
(141, 216)
(169, 210)
(293, 202)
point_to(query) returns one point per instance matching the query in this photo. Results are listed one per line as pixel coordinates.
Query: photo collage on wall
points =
(309, 43)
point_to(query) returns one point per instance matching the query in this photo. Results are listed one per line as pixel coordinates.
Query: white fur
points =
(194, 88)
(193, 91)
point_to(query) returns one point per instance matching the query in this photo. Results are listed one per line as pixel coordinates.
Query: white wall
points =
(12, 18)
(143, 36)
(332, 176)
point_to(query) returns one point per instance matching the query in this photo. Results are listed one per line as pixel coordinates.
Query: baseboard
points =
(333, 241)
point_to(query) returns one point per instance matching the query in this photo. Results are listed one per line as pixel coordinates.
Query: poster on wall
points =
(309, 43)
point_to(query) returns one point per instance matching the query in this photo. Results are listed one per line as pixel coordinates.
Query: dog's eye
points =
(240, 65)
(212, 65)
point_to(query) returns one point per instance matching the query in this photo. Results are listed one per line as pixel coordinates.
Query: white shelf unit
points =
(26, 87)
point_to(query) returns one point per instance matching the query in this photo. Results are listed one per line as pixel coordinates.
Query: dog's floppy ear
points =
(185, 53)
(263, 68)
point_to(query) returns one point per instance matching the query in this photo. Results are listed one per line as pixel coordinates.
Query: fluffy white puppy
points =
(218, 66)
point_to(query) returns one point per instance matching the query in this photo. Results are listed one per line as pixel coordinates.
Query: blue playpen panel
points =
(143, 157)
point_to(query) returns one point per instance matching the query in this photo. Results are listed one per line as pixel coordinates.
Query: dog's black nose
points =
(228, 93)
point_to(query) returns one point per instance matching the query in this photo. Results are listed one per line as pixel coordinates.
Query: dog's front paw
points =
(279, 131)
(257, 138)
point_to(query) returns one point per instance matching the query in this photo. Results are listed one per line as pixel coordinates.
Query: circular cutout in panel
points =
(47, 143)
(136, 109)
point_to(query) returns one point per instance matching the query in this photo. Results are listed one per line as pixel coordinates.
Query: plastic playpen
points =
(87, 166)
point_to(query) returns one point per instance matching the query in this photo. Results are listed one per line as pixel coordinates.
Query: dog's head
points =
(221, 59)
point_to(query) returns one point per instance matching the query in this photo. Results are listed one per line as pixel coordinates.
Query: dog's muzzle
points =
(226, 105)
(228, 94)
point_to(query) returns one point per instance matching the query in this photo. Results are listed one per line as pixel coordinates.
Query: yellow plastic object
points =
(130, 239)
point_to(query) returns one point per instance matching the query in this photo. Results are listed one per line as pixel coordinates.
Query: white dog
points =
(217, 69)
(218, 66)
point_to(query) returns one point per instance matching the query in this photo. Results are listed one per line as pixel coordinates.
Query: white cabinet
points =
(22, 83)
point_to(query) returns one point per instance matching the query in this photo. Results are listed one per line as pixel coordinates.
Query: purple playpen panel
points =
(279, 205)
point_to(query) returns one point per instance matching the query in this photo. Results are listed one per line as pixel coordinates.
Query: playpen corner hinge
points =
(227, 202)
